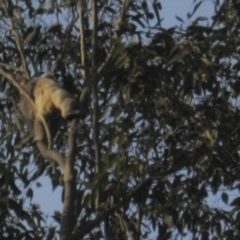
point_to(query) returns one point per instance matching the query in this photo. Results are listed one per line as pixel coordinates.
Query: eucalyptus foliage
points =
(168, 119)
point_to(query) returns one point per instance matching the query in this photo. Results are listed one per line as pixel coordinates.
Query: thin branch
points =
(24, 141)
(18, 42)
(139, 222)
(85, 94)
(82, 8)
(12, 67)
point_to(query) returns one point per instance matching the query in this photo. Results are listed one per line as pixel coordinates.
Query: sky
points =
(171, 8)
(50, 200)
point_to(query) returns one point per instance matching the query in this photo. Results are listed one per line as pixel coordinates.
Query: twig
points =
(12, 67)
(68, 216)
(82, 8)
(18, 43)
(85, 94)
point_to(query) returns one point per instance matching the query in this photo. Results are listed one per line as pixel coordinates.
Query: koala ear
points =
(49, 75)
(21, 79)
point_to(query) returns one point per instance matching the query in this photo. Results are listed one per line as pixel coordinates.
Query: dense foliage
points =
(169, 118)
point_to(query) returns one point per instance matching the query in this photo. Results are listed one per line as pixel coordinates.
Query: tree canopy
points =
(162, 131)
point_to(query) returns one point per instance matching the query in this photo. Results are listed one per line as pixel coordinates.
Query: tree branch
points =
(82, 8)
(85, 94)
(95, 116)
(68, 216)
(18, 42)
(11, 67)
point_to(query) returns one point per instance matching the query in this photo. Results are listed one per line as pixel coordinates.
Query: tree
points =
(162, 130)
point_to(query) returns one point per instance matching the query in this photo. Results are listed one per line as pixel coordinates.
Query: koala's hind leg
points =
(69, 109)
(66, 103)
(39, 131)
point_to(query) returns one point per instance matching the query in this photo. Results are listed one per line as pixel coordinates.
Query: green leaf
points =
(201, 19)
(167, 219)
(195, 8)
(31, 37)
(207, 62)
(111, 10)
(236, 202)
(179, 19)
(29, 193)
(204, 207)
(225, 198)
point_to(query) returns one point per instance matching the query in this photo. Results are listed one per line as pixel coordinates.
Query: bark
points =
(95, 103)
(68, 216)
